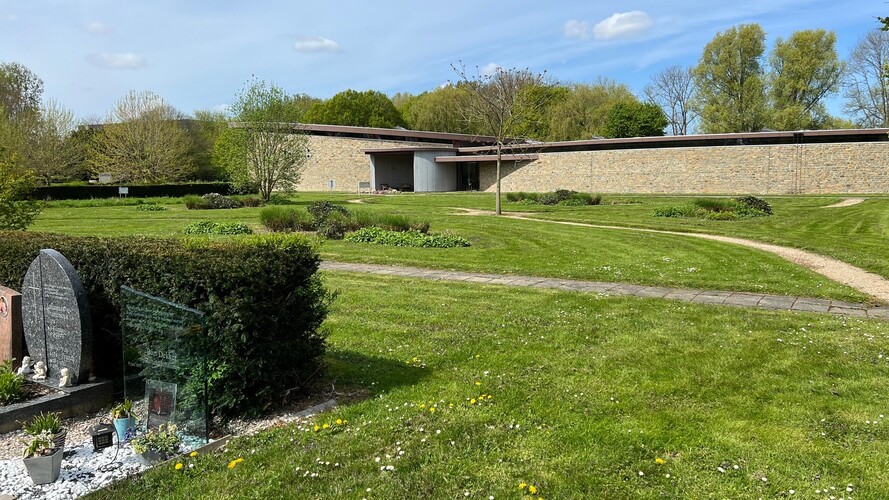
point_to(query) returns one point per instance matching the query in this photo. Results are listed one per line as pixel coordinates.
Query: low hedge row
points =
(263, 300)
(135, 191)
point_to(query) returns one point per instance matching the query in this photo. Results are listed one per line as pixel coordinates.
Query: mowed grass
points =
(499, 245)
(590, 397)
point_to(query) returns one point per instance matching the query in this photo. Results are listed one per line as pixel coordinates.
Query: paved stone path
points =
(737, 299)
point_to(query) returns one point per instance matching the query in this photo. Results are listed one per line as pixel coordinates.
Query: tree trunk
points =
(497, 189)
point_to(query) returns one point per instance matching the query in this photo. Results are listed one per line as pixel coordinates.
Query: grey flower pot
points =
(152, 457)
(46, 469)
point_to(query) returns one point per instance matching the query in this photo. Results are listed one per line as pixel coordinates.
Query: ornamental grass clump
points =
(223, 228)
(10, 384)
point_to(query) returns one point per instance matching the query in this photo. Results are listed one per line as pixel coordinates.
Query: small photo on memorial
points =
(160, 400)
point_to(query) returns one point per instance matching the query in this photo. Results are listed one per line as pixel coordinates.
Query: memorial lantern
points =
(103, 436)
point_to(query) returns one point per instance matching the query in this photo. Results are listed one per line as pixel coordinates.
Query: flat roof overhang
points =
(475, 158)
(373, 151)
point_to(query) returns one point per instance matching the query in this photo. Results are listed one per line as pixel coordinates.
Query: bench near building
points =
(804, 162)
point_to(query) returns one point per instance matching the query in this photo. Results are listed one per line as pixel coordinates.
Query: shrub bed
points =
(409, 238)
(563, 197)
(211, 227)
(719, 209)
(334, 221)
(211, 201)
(263, 300)
(144, 191)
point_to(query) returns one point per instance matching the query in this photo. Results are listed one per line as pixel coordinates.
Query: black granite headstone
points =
(56, 317)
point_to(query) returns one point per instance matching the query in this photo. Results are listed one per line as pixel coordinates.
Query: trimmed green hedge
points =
(263, 299)
(136, 191)
(409, 238)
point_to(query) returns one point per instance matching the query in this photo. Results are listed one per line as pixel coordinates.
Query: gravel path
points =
(848, 202)
(839, 271)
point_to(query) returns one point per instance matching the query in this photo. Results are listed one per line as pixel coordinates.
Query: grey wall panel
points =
(433, 177)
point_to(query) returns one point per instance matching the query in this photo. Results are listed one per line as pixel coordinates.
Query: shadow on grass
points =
(373, 373)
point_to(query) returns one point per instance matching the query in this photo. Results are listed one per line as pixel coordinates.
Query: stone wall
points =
(341, 159)
(779, 169)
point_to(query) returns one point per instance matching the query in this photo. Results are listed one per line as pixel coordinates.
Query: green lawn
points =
(504, 245)
(589, 395)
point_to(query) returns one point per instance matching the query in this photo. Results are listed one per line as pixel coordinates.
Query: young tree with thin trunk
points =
(264, 145)
(673, 89)
(501, 104)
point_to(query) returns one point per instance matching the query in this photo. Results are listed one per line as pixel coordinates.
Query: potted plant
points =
(124, 419)
(47, 423)
(157, 445)
(43, 460)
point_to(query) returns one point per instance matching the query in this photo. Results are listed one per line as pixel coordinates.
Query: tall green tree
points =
(436, 111)
(635, 119)
(264, 145)
(582, 113)
(867, 81)
(357, 109)
(731, 81)
(20, 91)
(805, 70)
(143, 141)
(501, 103)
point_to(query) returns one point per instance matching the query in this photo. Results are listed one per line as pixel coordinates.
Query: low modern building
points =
(811, 162)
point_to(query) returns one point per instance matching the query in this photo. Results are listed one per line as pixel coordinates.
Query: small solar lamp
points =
(103, 436)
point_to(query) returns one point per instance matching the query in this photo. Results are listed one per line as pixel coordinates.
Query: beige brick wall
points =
(780, 169)
(341, 159)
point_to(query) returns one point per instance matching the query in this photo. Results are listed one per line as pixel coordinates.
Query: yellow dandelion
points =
(472, 401)
(660, 460)
(317, 428)
(339, 421)
(522, 486)
(233, 463)
(193, 454)
(423, 405)
(489, 396)
(325, 426)
(478, 383)
(432, 410)
(450, 405)
(179, 465)
(532, 489)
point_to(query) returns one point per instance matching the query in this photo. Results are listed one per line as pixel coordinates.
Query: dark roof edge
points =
(386, 132)
(650, 141)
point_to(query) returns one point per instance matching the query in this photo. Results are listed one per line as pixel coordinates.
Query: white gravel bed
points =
(83, 471)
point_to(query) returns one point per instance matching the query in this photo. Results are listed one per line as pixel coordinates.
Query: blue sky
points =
(198, 54)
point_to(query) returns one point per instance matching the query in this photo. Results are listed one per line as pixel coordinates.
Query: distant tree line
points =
(736, 86)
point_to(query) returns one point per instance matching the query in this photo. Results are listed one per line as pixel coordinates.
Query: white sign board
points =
(123, 191)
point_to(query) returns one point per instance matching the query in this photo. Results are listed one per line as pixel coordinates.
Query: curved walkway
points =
(837, 270)
(737, 299)
(848, 202)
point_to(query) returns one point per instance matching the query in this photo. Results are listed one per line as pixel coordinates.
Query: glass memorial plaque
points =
(165, 363)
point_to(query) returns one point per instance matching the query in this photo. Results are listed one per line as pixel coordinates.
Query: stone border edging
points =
(718, 297)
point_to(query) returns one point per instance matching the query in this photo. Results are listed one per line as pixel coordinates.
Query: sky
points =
(197, 54)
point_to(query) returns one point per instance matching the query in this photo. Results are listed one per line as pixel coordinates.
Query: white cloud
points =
(489, 69)
(126, 60)
(576, 29)
(316, 44)
(623, 25)
(97, 28)
(221, 108)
